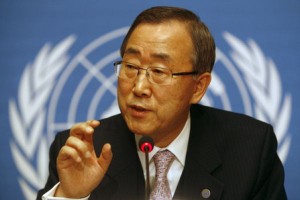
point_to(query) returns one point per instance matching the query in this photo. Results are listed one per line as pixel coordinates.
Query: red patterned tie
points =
(161, 189)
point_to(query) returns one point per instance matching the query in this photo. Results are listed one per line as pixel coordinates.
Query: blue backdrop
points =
(56, 69)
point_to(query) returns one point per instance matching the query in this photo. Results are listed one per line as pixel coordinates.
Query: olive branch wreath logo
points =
(28, 112)
(28, 115)
(263, 81)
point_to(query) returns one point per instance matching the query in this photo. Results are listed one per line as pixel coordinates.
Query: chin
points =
(140, 130)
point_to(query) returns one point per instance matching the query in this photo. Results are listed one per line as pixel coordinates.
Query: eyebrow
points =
(161, 56)
(131, 50)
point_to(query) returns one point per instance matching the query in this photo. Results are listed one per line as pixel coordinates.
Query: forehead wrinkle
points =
(161, 56)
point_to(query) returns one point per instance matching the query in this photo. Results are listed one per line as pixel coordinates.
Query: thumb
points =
(105, 158)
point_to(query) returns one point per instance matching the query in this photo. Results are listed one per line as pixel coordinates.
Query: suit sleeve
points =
(53, 175)
(270, 181)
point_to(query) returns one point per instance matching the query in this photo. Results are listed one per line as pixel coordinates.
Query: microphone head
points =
(146, 143)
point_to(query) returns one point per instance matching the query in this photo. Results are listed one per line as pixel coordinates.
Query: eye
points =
(159, 72)
(129, 66)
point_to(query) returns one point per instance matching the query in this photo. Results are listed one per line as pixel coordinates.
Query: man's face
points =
(159, 111)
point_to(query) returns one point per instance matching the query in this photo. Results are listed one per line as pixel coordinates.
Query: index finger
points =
(93, 123)
(84, 130)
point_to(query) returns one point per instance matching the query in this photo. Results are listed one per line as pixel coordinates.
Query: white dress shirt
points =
(178, 147)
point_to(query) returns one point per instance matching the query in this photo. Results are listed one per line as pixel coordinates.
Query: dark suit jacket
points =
(231, 155)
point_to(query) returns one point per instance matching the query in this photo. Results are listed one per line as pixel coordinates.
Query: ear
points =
(200, 87)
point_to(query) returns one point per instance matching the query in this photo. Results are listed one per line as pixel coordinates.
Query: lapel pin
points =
(205, 193)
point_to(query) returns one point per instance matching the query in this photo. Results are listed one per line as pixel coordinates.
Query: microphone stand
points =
(147, 193)
(146, 144)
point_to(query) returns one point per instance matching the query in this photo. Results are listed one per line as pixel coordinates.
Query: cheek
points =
(179, 95)
(123, 90)
(166, 100)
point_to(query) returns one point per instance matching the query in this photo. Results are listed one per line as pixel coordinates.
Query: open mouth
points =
(139, 111)
(139, 108)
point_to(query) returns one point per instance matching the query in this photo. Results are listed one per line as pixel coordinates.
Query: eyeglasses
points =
(156, 75)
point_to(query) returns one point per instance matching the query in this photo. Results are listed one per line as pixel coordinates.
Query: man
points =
(167, 59)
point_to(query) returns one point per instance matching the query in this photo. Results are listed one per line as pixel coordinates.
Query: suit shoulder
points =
(227, 123)
(226, 117)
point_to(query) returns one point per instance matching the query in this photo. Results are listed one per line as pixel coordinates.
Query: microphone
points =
(146, 144)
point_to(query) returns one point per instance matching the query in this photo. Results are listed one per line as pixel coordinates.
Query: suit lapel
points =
(124, 178)
(202, 159)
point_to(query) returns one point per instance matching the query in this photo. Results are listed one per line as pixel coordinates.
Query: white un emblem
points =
(87, 87)
(55, 92)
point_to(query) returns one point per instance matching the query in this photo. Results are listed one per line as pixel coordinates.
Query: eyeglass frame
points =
(146, 69)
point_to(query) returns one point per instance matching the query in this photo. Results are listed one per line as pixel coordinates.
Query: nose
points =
(142, 85)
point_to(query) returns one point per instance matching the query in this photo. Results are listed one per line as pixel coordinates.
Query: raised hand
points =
(79, 168)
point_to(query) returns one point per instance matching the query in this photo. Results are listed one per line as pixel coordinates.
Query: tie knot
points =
(162, 161)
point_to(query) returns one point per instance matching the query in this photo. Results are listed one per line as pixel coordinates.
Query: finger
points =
(84, 128)
(80, 129)
(68, 153)
(93, 123)
(83, 131)
(105, 157)
(83, 148)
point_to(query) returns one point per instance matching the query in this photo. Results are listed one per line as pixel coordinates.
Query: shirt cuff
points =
(50, 195)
